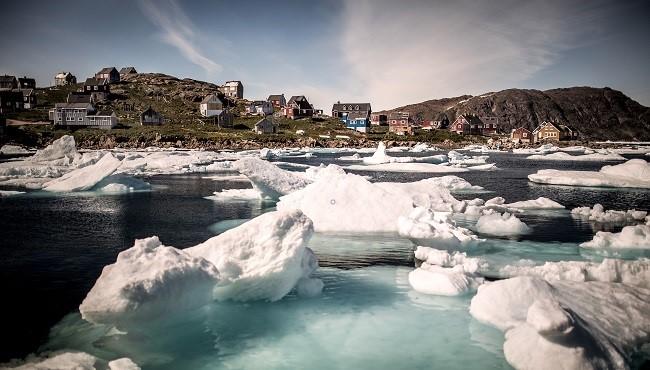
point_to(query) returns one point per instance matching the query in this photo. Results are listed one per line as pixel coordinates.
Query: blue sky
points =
(388, 53)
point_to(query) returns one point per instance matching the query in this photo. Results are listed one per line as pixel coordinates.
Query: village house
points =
(378, 119)
(109, 74)
(400, 123)
(64, 78)
(265, 126)
(356, 121)
(100, 89)
(467, 124)
(80, 97)
(339, 110)
(521, 135)
(151, 118)
(223, 118)
(26, 83)
(11, 101)
(210, 106)
(29, 98)
(81, 115)
(260, 107)
(550, 131)
(278, 101)
(127, 71)
(489, 125)
(233, 89)
(298, 107)
(8, 82)
(426, 124)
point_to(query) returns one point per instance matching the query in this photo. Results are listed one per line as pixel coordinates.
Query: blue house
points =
(356, 121)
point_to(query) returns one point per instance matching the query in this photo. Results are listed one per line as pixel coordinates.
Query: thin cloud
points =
(178, 31)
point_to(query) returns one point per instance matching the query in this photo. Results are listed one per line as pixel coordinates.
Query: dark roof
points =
(7, 78)
(102, 113)
(72, 105)
(301, 101)
(262, 120)
(398, 115)
(127, 70)
(107, 70)
(351, 106)
(209, 97)
(472, 119)
(75, 97)
(275, 97)
(24, 80)
(92, 81)
(149, 112)
(355, 115)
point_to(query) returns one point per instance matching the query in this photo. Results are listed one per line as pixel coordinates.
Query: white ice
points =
(630, 237)
(599, 214)
(436, 228)
(84, 178)
(539, 203)
(561, 156)
(269, 179)
(634, 173)
(9, 149)
(501, 225)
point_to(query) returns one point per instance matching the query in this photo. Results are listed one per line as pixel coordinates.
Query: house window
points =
(525, 134)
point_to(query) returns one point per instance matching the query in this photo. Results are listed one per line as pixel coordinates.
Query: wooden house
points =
(233, 89)
(109, 74)
(10, 101)
(26, 83)
(378, 119)
(223, 118)
(467, 124)
(8, 82)
(81, 115)
(211, 106)
(127, 72)
(100, 89)
(489, 125)
(547, 131)
(64, 78)
(339, 110)
(278, 101)
(357, 121)
(80, 97)
(260, 108)
(151, 118)
(298, 107)
(265, 126)
(29, 98)
(400, 123)
(521, 135)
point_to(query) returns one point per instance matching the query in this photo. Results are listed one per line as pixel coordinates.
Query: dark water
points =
(55, 247)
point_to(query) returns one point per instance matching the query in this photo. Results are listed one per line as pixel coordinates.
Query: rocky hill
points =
(598, 113)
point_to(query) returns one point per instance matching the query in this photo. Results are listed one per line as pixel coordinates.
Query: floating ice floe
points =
(348, 202)
(409, 167)
(462, 159)
(8, 149)
(9, 193)
(539, 203)
(599, 214)
(631, 237)
(271, 181)
(442, 273)
(424, 226)
(565, 324)
(634, 173)
(543, 149)
(75, 361)
(501, 225)
(263, 259)
(561, 156)
(84, 178)
(380, 157)
(636, 272)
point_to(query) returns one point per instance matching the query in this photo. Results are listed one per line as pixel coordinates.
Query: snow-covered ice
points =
(539, 203)
(84, 178)
(598, 214)
(9, 149)
(435, 228)
(561, 156)
(501, 225)
(269, 179)
(408, 167)
(634, 173)
(631, 237)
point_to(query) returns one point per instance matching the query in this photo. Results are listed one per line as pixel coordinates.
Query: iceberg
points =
(270, 180)
(634, 173)
(501, 225)
(565, 325)
(539, 203)
(61, 148)
(409, 167)
(598, 214)
(435, 228)
(8, 149)
(263, 259)
(631, 237)
(380, 157)
(84, 178)
(561, 156)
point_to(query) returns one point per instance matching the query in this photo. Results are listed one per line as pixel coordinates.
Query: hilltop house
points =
(549, 131)
(400, 123)
(109, 74)
(233, 89)
(127, 71)
(100, 89)
(298, 107)
(356, 121)
(467, 124)
(11, 101)
(29, 98)
(378, 119)
(210, 106)
(260, 107)
(521, 135)
(339, 110)
(264, 126)
(8, 82)
(64, 78)
(26, 83)
(81, 115)
(278, 101)
(151, 118)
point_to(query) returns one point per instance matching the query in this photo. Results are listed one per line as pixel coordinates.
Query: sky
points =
(388, 53)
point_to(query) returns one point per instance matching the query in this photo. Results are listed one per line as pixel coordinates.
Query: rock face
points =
(598, 113)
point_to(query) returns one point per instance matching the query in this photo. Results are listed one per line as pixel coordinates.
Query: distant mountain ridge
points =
(598, 113)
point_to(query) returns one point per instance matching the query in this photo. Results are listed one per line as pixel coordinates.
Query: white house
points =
(81, 115)
(260, 107)
(211, 106)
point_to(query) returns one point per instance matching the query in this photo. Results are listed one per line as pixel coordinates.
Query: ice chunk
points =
(497, 201)
(262, 259)
(609, 270)
(539, 203)
(84, 178)
(270, 180)
(595, 157)
(634, 173)
(61, 148)
(598, 214)
(544, 149)
(501, 225)
(409, 167)
(442, 273)
(631, 237)
(565, 324)
(121, 184)
(147, 280)
(9, 193)
(8, 149)
(436, 228)
(236, 194)
(75, 361)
